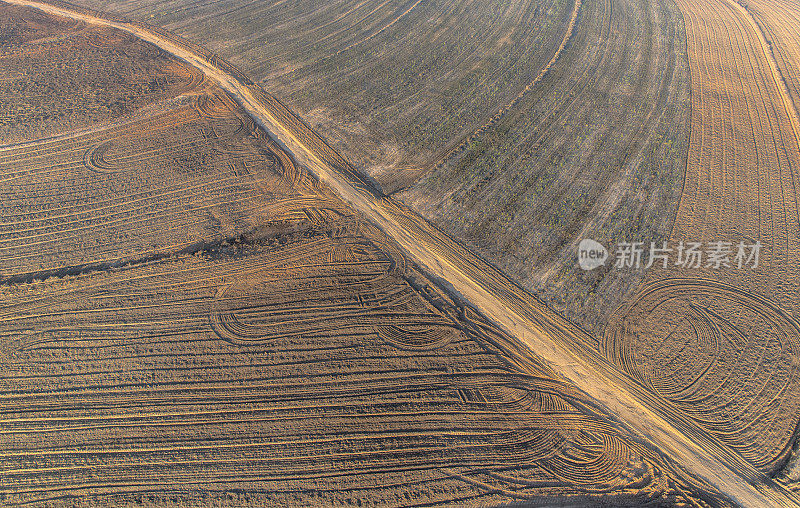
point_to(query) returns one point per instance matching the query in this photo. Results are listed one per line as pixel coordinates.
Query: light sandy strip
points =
(777, 75)
(549, 336)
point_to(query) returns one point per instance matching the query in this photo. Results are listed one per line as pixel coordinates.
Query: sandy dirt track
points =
(550, 336)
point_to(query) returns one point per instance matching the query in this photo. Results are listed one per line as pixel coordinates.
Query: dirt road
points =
(546, 333)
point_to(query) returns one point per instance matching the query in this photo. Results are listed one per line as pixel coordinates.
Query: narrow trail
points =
(777, 75)
(558, 342)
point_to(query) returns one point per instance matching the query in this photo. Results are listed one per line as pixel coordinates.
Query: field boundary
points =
(558, 342)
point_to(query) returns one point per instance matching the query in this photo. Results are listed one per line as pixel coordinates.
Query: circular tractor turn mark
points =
(726, 357)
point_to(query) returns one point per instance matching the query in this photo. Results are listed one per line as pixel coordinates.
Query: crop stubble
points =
(100, 74)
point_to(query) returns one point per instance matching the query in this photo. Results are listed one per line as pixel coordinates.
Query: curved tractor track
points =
(547, 334)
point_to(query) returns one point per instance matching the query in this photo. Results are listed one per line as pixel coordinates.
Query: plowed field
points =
(189, 317)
